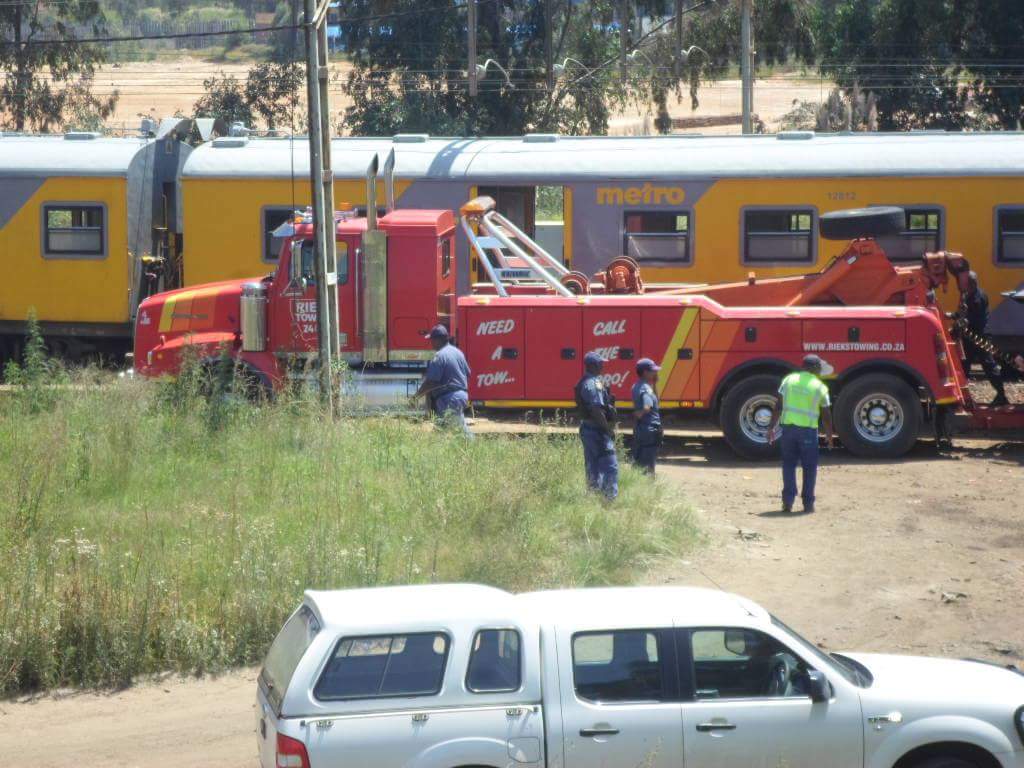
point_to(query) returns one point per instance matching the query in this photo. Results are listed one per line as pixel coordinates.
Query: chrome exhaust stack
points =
(371, 194)
(389, 181)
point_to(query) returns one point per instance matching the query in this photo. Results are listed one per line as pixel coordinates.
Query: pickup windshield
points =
(285, 654)
(854, 672)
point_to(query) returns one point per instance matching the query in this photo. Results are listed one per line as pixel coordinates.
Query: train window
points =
(1010, 236)
(779, 235)
(74, 231)
(922, 234)
(659, 238)
(272, 217)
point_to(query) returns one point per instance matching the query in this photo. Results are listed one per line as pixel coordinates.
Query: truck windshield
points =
(853, 671)
(285, 654)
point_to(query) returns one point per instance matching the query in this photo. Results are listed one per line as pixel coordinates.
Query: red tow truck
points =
(891, 362)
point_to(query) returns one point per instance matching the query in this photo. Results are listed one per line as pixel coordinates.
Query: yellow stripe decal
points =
(671, 357)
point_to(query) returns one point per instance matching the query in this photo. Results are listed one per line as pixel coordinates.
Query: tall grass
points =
(144, 528)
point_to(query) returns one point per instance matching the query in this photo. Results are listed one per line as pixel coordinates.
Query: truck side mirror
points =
(817, 686)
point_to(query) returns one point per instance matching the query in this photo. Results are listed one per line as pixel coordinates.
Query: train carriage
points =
(693, 209)
(79, 214)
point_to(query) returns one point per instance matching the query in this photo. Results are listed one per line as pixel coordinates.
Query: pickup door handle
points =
(598, 731)
(706, 727)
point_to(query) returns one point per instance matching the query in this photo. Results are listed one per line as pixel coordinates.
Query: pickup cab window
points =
(736, 663)
(620, 665)
(494, 662)
(385, 665)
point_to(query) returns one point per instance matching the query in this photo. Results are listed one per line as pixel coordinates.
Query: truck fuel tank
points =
(253, 313)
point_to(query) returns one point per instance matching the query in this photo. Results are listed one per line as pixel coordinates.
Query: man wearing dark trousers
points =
(597, 428)
(802, 400)
(446, 381)
(647, 429)
(974, 310)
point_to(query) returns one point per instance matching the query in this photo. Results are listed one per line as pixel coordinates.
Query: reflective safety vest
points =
(803, 395)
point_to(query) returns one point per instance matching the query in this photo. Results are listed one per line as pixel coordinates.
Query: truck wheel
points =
(878, 415)
(746, 413)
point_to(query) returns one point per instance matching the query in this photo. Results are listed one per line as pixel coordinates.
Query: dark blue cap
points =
(645, 364)
(592, 358)
(437, 332)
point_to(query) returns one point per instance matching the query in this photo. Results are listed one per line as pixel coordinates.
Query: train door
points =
(517, 204)
(542, 212)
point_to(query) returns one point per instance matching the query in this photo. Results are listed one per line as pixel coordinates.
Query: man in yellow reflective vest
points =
(802, 400)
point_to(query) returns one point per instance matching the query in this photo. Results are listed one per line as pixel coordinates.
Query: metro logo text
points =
(495, 327)
(648, 194)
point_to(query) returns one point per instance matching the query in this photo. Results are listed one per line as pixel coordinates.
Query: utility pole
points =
(746, 64)
(549, 51)
(471, 46)
(679, 39)
(322, 181)
(623, 38)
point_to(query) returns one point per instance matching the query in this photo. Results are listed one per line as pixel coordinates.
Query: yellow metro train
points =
(82, 218)
(689, 208)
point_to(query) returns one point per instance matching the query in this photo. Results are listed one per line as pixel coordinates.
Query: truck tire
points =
(855, 223)
(877, 415)
(745, 414)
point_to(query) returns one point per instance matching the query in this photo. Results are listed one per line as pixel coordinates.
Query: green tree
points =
(409, 64)
(272, 90)
(48, 71)
(993, 47)
(224, 97)
(782, 32)
(906, 53)
(270, 93)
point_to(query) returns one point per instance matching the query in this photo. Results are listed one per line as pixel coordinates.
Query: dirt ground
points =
(173, 85)
(920, 556)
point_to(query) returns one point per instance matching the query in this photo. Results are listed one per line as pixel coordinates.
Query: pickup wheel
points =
(877, 415)
(945, 762)
(746, 413)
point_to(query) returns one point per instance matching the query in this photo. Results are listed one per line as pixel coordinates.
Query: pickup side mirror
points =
(818, 687)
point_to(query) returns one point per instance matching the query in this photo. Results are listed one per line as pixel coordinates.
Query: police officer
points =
(647, 429)
(446, 382)
(974, 311)
(802, 399)
(597, 428)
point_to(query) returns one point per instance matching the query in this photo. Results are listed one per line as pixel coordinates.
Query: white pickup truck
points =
(451, 676)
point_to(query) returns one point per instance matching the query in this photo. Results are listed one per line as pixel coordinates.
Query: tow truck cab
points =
(396, 280)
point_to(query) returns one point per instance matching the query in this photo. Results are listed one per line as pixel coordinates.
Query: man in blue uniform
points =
(597, 428)
(647, 429)
(446, 382)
